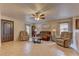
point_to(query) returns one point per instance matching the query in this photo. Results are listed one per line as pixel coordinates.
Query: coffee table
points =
(36, 39)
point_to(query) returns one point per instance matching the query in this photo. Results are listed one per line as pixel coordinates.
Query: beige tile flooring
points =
(24, 48)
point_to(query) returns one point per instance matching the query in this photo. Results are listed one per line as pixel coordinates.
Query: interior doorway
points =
(7, 30)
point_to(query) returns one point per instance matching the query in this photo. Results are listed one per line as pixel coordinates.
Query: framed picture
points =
(77, 23)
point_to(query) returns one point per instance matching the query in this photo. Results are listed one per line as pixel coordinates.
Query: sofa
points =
(45, 35)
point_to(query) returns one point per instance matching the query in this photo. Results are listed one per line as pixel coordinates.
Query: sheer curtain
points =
(28, 29)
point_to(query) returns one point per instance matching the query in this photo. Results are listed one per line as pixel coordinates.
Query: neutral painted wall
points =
(77, 39)
(75, 44)
(19, 25)
(0, 29)
(77, 36)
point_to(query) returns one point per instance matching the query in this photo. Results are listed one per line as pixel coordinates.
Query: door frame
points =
(1, 28)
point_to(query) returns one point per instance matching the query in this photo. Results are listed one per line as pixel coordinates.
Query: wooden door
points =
(7, 30)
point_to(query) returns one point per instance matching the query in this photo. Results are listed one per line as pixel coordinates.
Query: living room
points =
(25, 15)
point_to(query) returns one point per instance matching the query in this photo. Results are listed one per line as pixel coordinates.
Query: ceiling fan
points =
(38, 16)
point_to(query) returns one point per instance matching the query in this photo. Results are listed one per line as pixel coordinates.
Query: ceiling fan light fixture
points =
(37, 19)
(38, 16)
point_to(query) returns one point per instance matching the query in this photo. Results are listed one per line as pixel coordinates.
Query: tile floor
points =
(24, 48)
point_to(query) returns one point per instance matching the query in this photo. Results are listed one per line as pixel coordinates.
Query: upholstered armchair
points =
(23, 36)
(65, 39)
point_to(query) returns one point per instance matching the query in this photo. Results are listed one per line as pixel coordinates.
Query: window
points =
(64, 27)
(28, 29)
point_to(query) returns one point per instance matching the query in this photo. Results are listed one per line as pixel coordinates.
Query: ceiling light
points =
(38, 16)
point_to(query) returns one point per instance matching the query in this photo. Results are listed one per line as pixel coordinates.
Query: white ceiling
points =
(52, 11)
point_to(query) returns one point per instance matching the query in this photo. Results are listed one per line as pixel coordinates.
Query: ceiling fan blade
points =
(33, 14)
(42, 18)
(42, 15)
